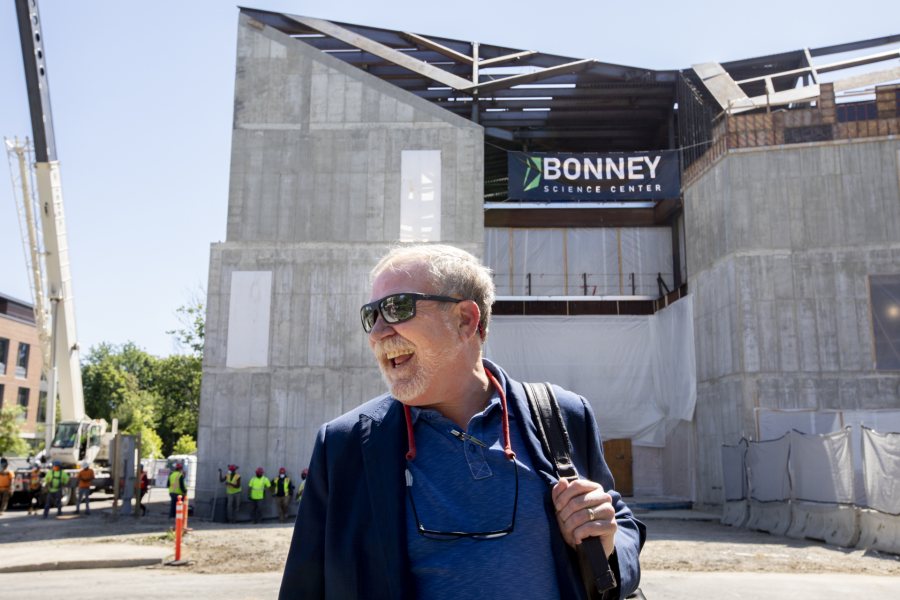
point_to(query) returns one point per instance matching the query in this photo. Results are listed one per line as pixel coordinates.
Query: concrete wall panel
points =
(314, 197)
(801, 228)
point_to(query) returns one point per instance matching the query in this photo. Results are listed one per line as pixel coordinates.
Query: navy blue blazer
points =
(349, 540)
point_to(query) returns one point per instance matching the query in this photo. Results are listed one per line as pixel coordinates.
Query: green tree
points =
(176, 383)
(193, 326)
(158, 397)
(110, 374)
(10, 442)
(151, 444)
(185, 445)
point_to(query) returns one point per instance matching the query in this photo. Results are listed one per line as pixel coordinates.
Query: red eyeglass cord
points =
(507, 446)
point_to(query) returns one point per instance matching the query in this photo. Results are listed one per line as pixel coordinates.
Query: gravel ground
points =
(673, 544)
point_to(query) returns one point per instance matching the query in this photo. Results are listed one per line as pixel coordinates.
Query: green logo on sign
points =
(533, 171)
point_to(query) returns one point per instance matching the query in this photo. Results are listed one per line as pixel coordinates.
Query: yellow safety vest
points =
(56, 479)
(283, 484)
(176, 486)
(258, 487)
(234, 479)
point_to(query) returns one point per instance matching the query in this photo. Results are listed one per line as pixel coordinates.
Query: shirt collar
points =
(430, 414)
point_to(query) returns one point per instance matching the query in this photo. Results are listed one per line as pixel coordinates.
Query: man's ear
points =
(469, 317)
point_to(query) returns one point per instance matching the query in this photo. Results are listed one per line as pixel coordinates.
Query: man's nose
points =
(381, 329)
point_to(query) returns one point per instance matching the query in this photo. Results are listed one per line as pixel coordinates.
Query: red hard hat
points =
(232, 467)
(260, 470)
(178, 466)
(305, 472)
(282, 470)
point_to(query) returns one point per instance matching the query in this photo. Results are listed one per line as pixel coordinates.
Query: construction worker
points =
(85, 480)
(143, 487)
(303, 475)
(258, 487)
(283, 490)
(176, 487)
(55, 483)
(35, 485)
(6, 484)
(232, 492)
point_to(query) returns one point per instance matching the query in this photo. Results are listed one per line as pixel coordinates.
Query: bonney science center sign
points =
(611, 176)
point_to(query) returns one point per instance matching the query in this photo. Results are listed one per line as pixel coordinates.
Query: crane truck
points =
(77, 438)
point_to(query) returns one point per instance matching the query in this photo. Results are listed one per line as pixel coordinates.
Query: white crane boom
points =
(77, 438)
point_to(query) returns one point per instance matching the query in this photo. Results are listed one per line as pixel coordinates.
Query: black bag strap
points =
(555, 439)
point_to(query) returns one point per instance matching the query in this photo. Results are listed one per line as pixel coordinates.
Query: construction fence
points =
(804, 485)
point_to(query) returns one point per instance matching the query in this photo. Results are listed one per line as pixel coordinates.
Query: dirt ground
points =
(672, 545)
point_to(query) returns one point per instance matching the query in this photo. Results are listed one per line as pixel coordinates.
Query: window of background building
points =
(22, 360)
(4, 352)
(23, 403)
(42, 407)
(1, 395)
(420, 197)
(885, 294)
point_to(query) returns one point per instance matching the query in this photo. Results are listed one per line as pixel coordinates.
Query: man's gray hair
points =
(452, 272)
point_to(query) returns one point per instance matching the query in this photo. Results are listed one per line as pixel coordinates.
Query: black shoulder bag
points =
(595, 570)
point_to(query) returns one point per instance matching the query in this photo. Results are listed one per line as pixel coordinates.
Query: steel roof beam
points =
(379, 49)
(550, 134)
(506, 58)
(439, 48)
(841, 48)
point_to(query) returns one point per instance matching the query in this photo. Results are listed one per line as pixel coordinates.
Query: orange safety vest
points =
(6, 481)
(85, 477)
(34, 483)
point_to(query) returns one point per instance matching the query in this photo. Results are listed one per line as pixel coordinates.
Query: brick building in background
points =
(20, 363)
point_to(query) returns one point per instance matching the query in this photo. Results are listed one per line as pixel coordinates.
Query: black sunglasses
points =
(396, 308)
(455, 535)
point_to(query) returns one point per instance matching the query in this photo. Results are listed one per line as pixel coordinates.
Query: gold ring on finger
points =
(591, 515)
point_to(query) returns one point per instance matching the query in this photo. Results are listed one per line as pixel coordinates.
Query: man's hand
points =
(576, 503)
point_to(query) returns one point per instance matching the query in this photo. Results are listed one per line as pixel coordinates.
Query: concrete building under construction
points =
(687, 249)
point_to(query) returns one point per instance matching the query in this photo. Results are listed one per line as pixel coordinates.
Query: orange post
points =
(179, 525)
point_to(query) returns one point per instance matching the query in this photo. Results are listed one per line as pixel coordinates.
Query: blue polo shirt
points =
(460, 485)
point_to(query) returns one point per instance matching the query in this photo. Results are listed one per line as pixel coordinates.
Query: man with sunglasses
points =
(440, 488)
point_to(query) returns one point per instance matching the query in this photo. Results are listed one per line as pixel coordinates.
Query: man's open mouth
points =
(398, 357)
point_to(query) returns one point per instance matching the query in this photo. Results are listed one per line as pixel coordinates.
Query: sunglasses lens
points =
(398, 308)
(368, 314)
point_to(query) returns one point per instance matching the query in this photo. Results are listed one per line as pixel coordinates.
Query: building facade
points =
(20, 363)
(756, 281)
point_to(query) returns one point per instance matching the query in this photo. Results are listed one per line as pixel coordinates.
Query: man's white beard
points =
(425, 366)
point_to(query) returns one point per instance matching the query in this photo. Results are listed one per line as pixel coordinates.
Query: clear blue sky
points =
(142, 98)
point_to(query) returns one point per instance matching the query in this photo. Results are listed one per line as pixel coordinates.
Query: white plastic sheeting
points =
(821, 468)
(881, 466)
(801, 485)
(767, 466)
(579, 261)
(773, 423)
(735, 511)
(638, 372)
(879, 531)
(834, 524)
(734, 471)
(774, 517)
